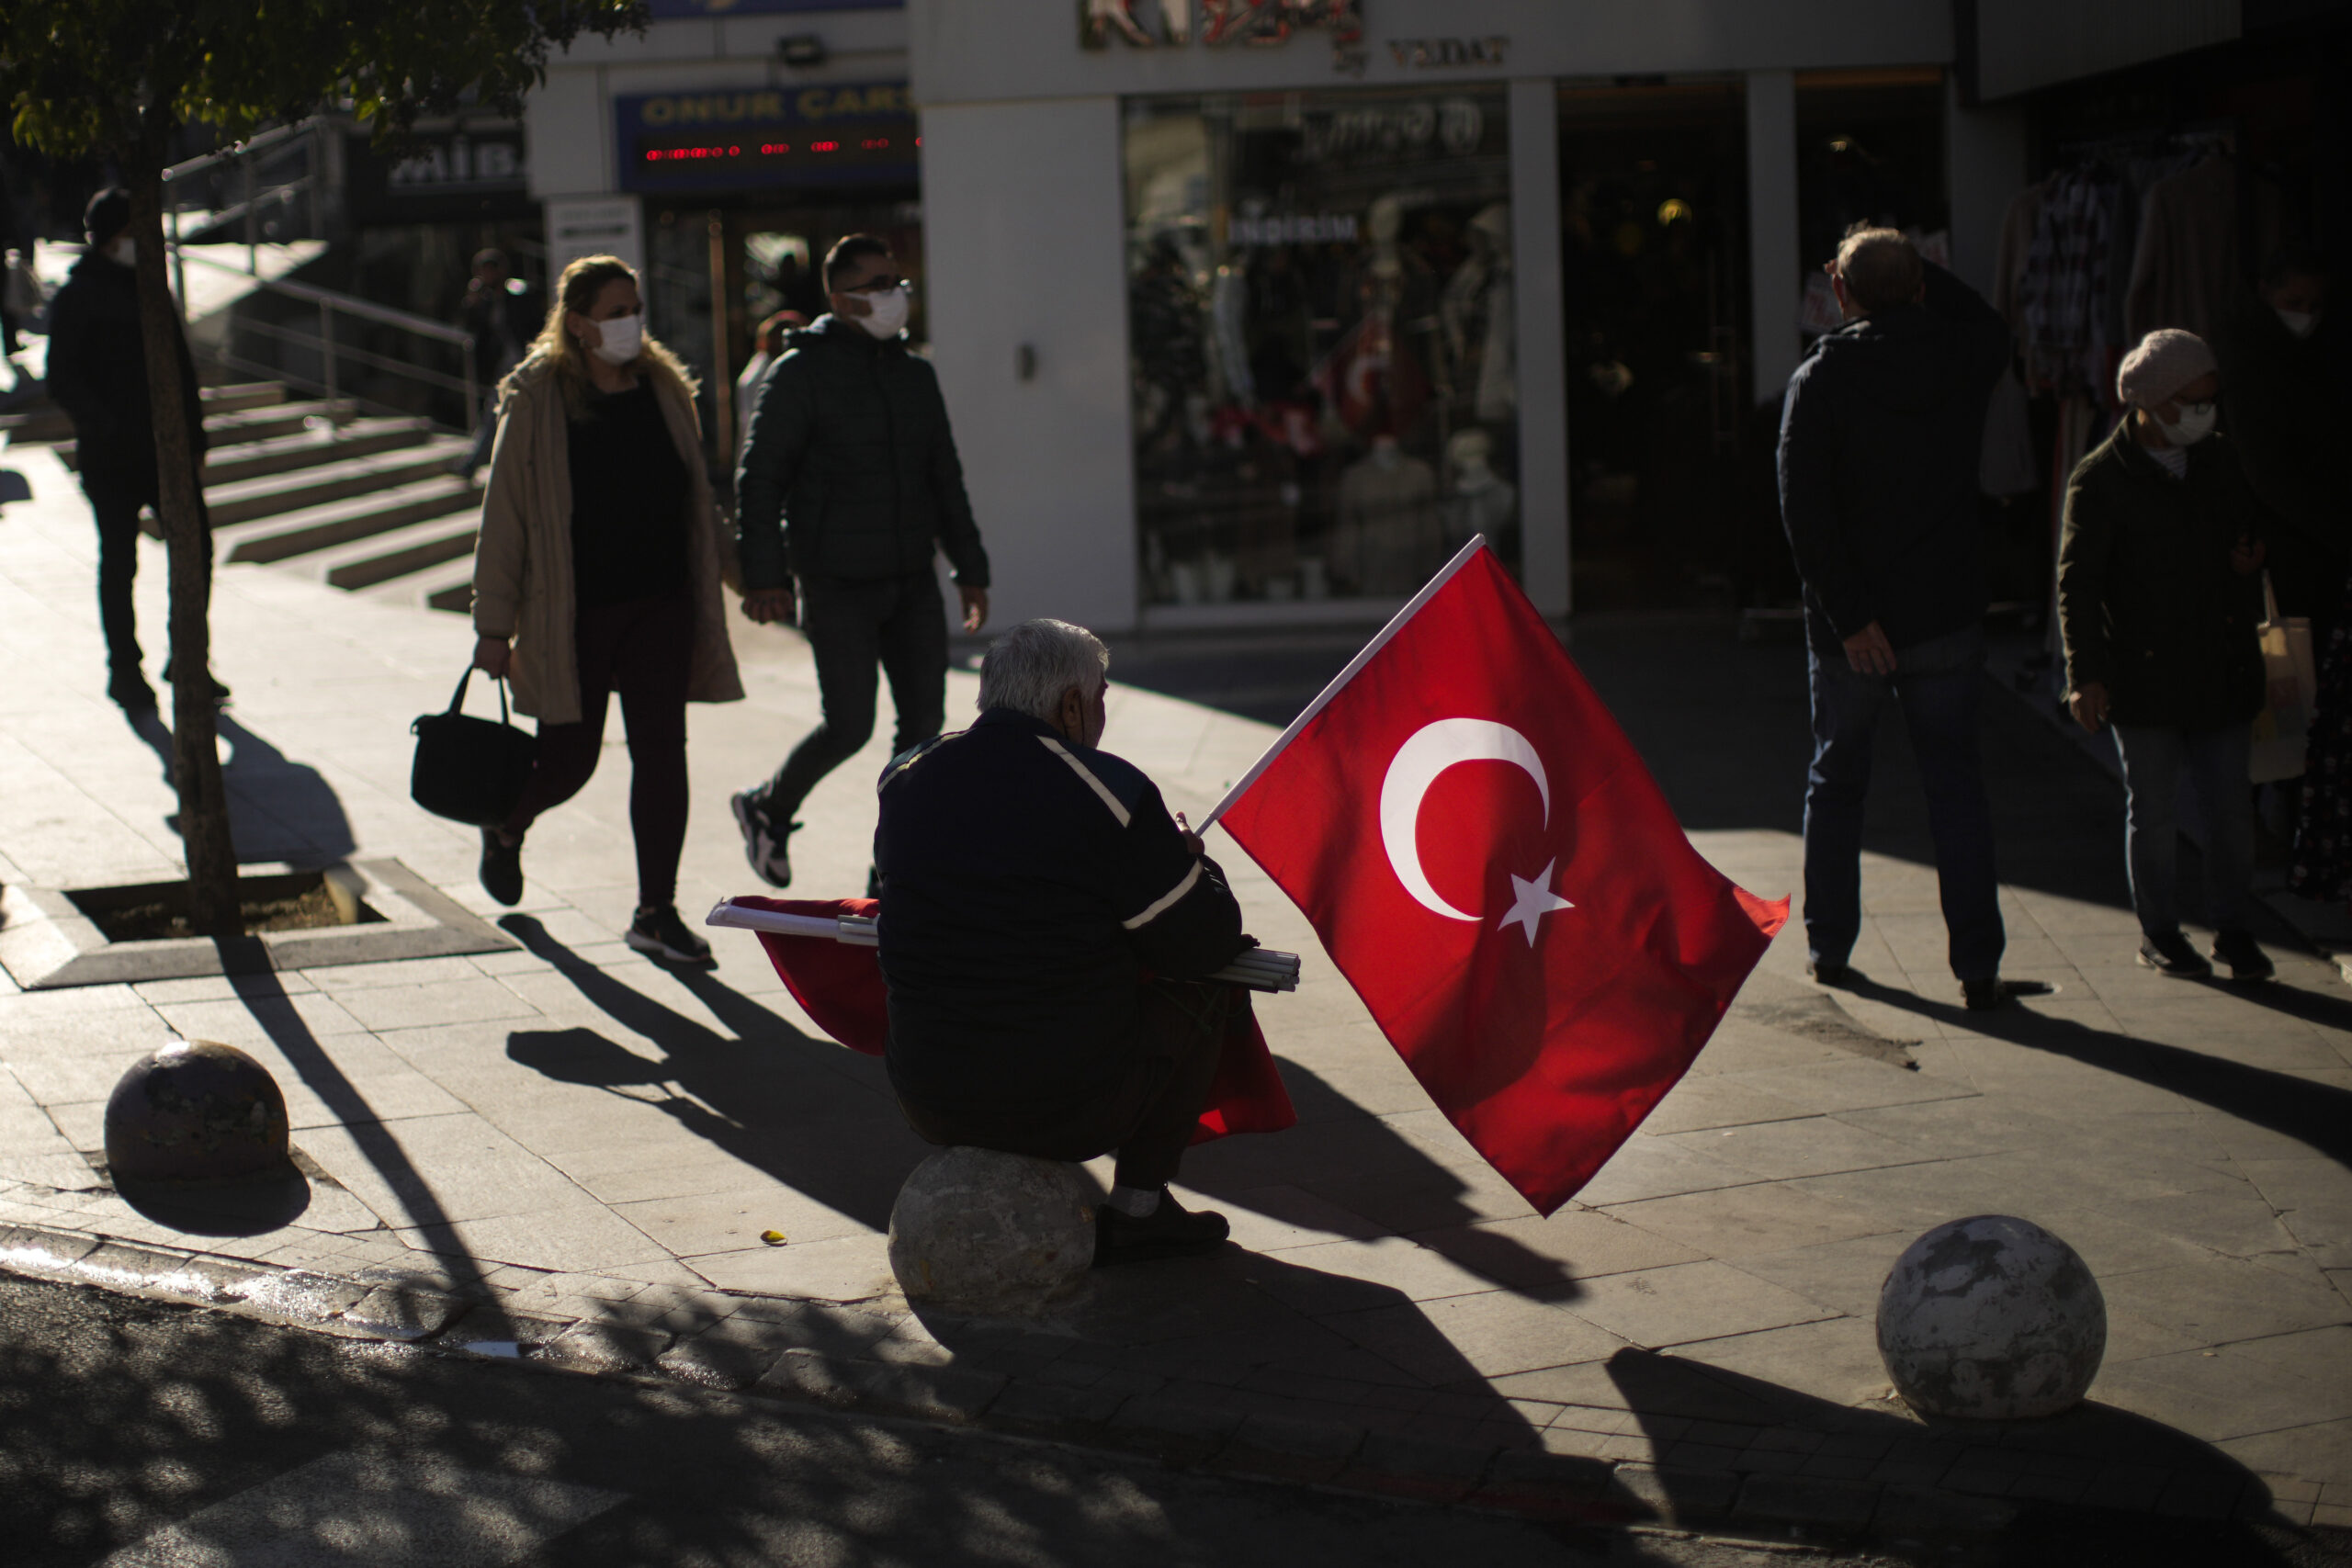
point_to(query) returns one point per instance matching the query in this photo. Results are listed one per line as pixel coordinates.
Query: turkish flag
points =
(1493, 869)
(840, 987)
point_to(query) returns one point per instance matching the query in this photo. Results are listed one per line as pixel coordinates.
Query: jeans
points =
(1181, 1030)
(1940, 685)
(2154, 760)
(116, 510)
(900, 623)
(643, 649)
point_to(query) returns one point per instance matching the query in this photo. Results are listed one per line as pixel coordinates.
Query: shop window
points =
(1321, 342)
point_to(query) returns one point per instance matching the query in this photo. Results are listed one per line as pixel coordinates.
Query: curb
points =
(868, 1363)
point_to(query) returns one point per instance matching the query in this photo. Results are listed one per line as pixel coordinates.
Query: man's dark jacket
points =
(97, 374)
(1027, 886)
(2288, 414)
(1880, 442)
(2147, 600)
(850, 469)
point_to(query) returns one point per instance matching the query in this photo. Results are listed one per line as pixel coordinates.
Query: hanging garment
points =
(2071, 322)
(1229, 321)
(2018, 226)
(2007, 467)
(2185, 264)
(1498, 370)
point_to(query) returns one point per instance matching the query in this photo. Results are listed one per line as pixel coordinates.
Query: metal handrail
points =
(349, 304)
(258, 142)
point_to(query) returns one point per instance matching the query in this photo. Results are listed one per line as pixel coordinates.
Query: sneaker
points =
(2172, 957)
(1168, 1231)
(1828, 972)
(131, 693)
(1983, 995)
(502, 868)
(2243, 955)
(762, 845)
(662, 934)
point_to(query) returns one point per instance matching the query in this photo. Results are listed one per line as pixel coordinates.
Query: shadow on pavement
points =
(274, 1010)
(2092, 1453)
(278, 808)
(243, 1208)
(814, 1116)
(2317, 1115)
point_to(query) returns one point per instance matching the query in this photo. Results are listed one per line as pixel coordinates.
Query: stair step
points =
(448, 586)
(239, 396)
(363, 563)
(311, 448)
(274, 494)
(340, 521)
(46, 421)
(274, 419)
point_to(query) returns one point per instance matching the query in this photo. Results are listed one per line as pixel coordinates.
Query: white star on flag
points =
(1535, 900)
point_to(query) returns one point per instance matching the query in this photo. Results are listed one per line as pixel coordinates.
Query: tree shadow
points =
(278, 808)
(2318, 1115)
(2069, 1473)
(812, 1115)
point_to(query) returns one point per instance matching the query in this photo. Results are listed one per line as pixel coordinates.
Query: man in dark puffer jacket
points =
(848, 484)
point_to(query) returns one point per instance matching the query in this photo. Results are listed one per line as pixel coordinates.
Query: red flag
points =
(1493, 869)
(839, 984)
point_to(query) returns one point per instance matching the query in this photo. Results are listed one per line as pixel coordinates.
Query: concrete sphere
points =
(196, 1111)
(982, 1231)
(1991, 1318)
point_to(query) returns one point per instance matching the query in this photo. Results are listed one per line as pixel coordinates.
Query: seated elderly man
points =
(1045, 924)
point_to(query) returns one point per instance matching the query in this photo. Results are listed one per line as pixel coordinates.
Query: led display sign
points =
(836, 133)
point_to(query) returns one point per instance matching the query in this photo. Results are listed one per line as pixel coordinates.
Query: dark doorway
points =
(1654, 215)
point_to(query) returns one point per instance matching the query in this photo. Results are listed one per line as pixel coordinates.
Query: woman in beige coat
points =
(597, 572)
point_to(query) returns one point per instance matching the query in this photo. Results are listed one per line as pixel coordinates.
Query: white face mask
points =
(886, 315)
(2195, 424)
(122, 249)
(2302, 324)
(623, 339)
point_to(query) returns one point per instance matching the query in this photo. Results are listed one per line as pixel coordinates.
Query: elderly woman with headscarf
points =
(2158, 603)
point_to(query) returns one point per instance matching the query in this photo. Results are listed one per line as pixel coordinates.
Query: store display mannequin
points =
(1482, 501)
(1390, 535)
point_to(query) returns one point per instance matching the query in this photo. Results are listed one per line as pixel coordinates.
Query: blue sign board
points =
(833, 133)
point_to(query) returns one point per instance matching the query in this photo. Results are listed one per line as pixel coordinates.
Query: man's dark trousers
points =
(1940, 685)
(115, 506)
(852, 626)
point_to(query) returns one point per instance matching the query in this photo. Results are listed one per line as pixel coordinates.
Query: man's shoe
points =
(763, 847)
(661, 933)
(1168, 1231)
(2243, 955)
(2172, 957)
(1827, 972)
(220, 693)
(131, 693)
(502, 868)
(1983, 995)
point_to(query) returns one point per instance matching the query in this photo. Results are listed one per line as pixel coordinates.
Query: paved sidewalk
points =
(569, 1148)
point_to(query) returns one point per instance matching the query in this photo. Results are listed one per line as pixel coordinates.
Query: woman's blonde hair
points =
(555, 350)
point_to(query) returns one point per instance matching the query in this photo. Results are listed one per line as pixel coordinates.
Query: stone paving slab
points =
(581, 1149)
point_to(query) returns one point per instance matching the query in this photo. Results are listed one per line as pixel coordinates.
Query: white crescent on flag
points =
(1431, 749)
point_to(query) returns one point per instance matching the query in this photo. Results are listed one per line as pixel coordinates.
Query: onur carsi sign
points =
(1218, 23)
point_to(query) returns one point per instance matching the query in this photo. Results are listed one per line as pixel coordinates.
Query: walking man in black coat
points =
(848, 485)
(97, 373)
(1880, 440)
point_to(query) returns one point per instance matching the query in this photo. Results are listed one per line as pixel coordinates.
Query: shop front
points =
(1251, 314)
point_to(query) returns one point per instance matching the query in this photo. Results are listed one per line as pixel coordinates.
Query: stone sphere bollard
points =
(196, 1111)
(1991, 1318)
(981, 1231)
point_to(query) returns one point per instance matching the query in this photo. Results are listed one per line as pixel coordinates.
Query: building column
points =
(1542, 348)
(1987, 148)
(1774, 268)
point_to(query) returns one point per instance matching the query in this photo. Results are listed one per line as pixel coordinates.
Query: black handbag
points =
(470, 770)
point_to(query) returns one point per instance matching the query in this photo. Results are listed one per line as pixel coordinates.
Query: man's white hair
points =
(1029, 668)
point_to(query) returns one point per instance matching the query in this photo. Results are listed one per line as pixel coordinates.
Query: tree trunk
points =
(195, 757)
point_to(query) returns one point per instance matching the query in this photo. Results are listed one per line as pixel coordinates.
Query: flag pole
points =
(1395, 623)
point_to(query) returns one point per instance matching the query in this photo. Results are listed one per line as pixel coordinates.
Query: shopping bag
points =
(470, 770)
(2282, 729)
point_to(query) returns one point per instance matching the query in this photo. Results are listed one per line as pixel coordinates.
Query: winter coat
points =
(2148, 602)
(1881, 439)
(523, 586)
(97, 374)
(2287, 413)
(850, 469)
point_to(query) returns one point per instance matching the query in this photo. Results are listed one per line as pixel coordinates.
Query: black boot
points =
(1168, 1231)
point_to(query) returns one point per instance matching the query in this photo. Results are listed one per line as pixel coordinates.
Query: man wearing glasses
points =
(847, 485)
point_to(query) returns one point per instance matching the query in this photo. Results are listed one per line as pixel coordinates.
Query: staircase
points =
(365, 504)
